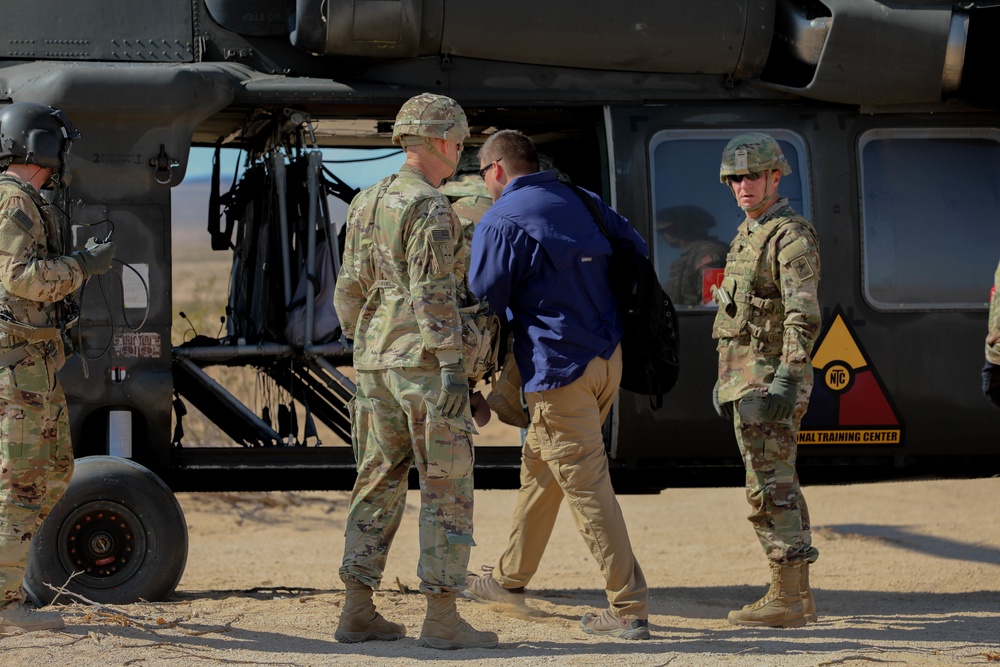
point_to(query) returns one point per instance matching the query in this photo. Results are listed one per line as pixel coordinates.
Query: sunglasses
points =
(482, 172)
(752, 176)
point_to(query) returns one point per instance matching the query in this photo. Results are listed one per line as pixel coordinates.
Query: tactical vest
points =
(25, 320)
(760, 310)
(480, 328)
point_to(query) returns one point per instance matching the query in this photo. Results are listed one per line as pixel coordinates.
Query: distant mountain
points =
(189, 204)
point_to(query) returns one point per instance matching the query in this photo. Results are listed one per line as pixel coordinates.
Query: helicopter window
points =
(695, 217)
(930, 214)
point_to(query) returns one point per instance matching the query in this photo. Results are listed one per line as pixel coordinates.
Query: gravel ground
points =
(909, 573)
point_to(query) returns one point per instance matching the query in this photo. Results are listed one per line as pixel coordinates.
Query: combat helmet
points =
(432, 116)
(35, 134)
(752, 152)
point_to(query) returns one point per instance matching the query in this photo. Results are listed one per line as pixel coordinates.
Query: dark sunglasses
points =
(482, 172)
(752, 176)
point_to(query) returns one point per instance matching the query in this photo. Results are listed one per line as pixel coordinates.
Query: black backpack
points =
(651, 343)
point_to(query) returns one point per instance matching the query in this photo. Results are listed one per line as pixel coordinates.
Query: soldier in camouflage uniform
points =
(767, 323)
(36, 458)
(686, 227)
(402, 281)
(991, 371)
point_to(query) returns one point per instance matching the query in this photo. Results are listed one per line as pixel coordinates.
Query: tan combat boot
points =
(808, 603)
(781, 606)
(15, 618)
(359, 622)
(445, 629)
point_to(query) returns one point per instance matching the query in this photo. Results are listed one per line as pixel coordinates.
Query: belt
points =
(12, 357)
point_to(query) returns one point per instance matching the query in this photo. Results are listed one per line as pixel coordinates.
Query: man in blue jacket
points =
(539, 258)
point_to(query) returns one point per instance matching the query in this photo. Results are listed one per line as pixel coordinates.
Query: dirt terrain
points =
(909, 573)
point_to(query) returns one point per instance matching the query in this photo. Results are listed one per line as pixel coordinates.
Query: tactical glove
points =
(454, 386)
(96, 256)
(724, 410)
(991, 383)
(781, 396)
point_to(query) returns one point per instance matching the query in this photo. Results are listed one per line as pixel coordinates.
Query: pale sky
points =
(355, 174)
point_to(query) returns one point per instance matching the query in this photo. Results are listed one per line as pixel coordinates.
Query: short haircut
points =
(516, 148)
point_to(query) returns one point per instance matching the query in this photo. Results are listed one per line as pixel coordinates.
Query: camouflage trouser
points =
(36, 461)
(395, 424)
(780, 515)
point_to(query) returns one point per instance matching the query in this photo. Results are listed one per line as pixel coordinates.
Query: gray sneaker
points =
(15, 618)
(484, 588)
(607, 623)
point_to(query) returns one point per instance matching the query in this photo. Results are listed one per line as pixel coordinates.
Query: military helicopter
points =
(887, 112)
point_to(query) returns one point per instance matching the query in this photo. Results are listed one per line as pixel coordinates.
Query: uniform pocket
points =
(448, 446)
(360, 410)
(751, 409)
(14, 445)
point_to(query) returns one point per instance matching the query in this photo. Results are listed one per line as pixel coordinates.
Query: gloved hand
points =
(96, 256)
(991, 383)
(724, 410)
(454, 386)
(781, 396)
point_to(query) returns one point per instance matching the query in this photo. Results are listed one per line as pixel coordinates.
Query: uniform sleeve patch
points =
(803, 268)
(22, 219)
(796, 256)
(443, 249)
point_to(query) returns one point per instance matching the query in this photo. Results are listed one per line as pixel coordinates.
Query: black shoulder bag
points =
(651, 343)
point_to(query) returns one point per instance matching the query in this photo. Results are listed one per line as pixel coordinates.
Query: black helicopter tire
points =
(117, 536)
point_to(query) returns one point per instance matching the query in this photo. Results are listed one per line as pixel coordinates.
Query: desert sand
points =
(909, 573)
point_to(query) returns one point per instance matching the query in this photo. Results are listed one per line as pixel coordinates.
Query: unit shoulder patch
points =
(796, 256)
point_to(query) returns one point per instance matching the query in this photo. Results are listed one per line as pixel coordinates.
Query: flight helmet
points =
(752, 152)
(36, 134)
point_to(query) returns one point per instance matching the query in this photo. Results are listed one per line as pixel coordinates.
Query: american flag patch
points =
(22, 219)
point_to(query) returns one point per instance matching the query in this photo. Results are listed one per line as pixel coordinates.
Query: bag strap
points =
(655, 400)
(591, 205)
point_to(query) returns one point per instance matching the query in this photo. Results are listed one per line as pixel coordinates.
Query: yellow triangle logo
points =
(849, 404)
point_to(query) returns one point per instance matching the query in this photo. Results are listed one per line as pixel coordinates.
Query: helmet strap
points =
(411, 140)
(441, 156)
(768, 198)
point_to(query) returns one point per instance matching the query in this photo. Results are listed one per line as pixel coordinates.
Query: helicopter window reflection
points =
(695, 216)
(926, 193)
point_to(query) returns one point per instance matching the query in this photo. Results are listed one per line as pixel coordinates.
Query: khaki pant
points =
(563, 456)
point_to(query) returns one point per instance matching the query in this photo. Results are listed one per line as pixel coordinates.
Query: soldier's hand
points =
(454, 390)
(724, 410)
(96, 256)
(781, 397)
(991, 383)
